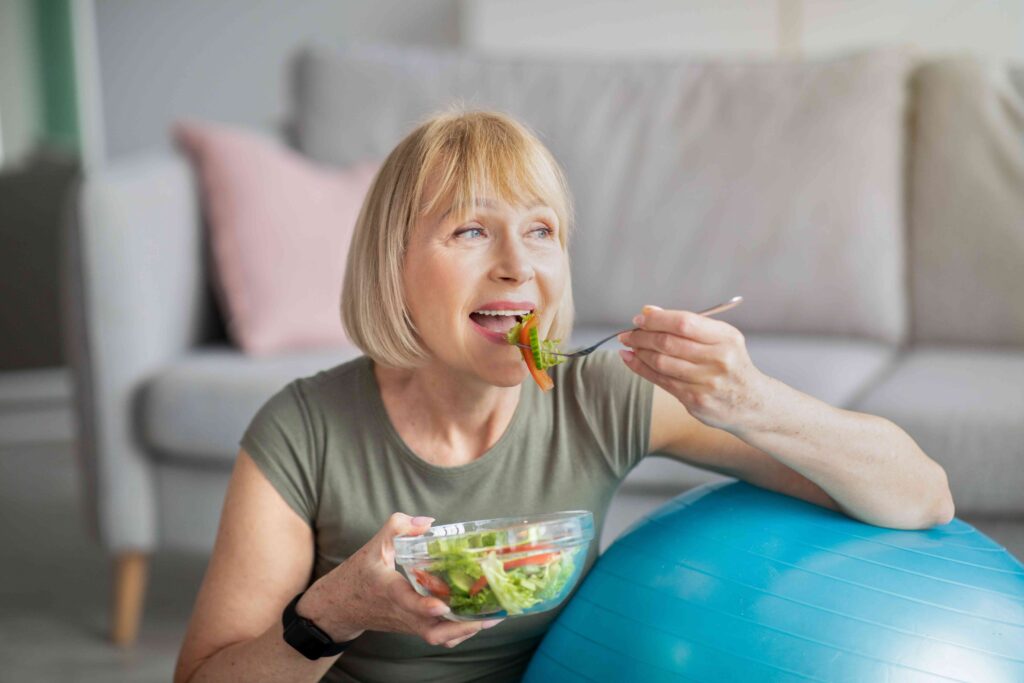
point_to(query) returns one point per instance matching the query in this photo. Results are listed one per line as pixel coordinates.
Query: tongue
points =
(498, 323)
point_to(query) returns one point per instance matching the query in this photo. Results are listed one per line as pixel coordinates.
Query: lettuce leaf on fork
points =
(543, 350)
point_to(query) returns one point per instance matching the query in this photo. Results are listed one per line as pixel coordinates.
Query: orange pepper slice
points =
(541, 377)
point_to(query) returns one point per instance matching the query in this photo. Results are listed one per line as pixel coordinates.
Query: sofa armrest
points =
(133, 297)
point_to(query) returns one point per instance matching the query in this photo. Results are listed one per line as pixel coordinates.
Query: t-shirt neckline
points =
(492, 454)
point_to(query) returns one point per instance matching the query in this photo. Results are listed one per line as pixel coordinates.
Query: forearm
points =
(868, 465)
(265, 658)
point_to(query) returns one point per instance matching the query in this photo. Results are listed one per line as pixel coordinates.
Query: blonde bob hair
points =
(472, 154)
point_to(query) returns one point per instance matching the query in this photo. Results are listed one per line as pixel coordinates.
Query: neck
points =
(443, 416)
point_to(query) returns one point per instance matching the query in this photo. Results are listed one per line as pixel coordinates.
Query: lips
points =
(506, 305)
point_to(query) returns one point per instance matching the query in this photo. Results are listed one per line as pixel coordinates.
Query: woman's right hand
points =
(367, 593)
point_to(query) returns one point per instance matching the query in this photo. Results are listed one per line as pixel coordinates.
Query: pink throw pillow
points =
(280, 228)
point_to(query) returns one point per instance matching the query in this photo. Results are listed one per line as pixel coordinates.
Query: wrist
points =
(764, 410)
(325, 615)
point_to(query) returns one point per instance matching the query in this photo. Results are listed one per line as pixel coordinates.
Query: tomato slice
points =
(543, 558)
(478, 585)
(524, 548)
(433, 584)
(542, 378)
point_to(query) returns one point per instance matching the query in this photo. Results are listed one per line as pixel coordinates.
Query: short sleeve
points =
(616, 405)
(281, 442)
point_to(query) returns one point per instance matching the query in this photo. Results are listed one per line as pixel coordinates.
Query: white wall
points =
(19, 105)
(743, 28)
(645, 27)
(227, 59)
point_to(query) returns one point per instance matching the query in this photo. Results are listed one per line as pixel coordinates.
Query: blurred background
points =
(86, 85)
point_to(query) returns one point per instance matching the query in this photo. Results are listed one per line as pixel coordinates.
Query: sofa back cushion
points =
(693, 181)
(967, 204)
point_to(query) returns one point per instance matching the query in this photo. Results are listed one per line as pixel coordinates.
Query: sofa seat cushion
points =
(831, 369)
(198, 406)
(965, 409)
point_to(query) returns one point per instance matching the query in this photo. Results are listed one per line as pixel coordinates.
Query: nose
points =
(512, 263)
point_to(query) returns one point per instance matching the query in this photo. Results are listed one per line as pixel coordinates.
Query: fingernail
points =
(492, 622)
(638, 320)
(626, 355)
(651, 307)
(439, 610)
(422, 521)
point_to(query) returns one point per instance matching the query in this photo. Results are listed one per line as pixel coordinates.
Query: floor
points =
(54, 579)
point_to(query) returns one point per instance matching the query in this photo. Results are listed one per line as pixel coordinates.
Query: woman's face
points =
(502, 257)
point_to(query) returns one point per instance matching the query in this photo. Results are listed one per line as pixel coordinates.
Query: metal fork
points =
(731, 303)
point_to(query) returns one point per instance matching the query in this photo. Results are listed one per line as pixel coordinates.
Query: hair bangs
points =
(480, 157)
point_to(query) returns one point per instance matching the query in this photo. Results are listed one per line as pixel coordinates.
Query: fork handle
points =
(731, 303)
(735, 301)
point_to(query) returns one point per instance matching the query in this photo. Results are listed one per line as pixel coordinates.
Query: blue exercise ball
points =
(729, 582)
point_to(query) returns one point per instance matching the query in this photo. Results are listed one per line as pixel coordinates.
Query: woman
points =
(466, 226)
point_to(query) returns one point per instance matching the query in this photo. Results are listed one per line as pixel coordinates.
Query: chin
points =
(505, 378)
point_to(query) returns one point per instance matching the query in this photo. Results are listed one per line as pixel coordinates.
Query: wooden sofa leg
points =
(129, 595)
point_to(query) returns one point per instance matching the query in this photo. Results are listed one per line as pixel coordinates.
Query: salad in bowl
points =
(502, 567)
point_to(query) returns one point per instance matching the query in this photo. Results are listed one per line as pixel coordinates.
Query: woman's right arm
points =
(262, 558)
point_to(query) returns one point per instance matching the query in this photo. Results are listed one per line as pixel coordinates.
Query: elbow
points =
(942, 509)
(946, 510)
(186, 671)
(935, 508)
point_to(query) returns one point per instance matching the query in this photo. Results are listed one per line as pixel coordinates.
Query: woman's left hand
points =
(701, 361)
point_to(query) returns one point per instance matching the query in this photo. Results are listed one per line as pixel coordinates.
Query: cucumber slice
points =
(460, 580)
(535, 349)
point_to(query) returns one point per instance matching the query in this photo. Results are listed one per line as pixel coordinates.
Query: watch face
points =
(306, 638)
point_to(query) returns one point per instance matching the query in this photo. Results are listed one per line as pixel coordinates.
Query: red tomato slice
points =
(542, 378)
(526, 547)
(543, 558)
(433, 584)
(478, 585)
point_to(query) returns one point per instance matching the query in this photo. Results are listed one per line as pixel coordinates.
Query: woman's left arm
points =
(725, 412)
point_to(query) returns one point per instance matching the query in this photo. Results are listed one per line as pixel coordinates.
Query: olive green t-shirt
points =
(327, 444)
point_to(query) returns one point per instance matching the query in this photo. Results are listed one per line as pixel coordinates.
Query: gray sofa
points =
(870, 209)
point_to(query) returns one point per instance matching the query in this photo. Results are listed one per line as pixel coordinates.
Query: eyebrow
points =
(490, 204)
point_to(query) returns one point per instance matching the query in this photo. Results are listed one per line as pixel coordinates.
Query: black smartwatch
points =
(306, 637)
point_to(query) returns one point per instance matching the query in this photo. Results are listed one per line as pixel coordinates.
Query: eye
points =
(468, 232)
(545, 231)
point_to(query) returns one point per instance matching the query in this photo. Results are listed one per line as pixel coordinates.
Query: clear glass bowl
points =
(504, 567)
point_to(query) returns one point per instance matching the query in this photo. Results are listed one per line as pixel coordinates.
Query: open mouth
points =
(497, 321)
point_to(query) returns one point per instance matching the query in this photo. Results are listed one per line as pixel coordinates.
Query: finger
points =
(488, 623)
(453, 643)
(670, 367)
(399, 524)
(670, 384)
(668, 343)
(640, 368)
(441, 633)
(684, 324)
(405, 597)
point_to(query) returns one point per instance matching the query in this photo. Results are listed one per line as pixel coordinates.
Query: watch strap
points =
(306, 637)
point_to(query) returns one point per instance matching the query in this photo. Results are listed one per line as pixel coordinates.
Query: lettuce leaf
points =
(509, 587)
(543, 354)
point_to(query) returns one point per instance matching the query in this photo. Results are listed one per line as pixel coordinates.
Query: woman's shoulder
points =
(343, 372)
(317, 393)
(342, 378)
